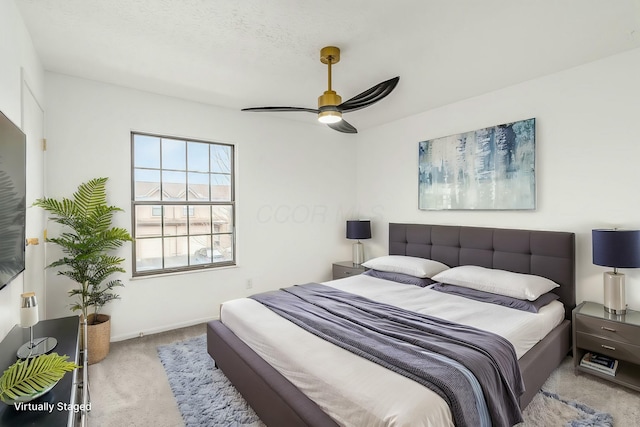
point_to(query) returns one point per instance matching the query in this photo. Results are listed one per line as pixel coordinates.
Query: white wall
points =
(295, 187)
(297, 182)
(587, 164)
(18, 60)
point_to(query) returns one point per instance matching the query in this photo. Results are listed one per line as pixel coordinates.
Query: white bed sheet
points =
(355, 391)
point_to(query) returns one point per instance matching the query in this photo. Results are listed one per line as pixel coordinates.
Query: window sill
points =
(179, 273)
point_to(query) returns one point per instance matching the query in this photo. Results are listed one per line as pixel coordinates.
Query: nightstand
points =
(346, 269)
(618, 337)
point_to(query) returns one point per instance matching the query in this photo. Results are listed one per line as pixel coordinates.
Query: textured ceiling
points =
(247, 53)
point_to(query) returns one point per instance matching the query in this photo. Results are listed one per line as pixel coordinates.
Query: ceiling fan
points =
(330, 105)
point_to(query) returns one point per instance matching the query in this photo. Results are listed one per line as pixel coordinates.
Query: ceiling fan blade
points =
(369, 96)
(281, 109)
(342, 126)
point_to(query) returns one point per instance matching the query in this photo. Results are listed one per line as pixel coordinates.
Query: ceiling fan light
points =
(329, 116)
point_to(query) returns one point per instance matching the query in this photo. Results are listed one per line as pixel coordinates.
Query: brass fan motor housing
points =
(329, 97)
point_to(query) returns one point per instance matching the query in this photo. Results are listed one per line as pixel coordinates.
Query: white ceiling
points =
(247, 53)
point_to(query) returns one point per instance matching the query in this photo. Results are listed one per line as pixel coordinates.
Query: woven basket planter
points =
(98, 338)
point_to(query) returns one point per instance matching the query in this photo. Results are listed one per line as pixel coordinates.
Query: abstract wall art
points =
(486, 169)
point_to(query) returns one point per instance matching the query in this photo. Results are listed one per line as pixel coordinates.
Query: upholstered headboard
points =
(550, 254)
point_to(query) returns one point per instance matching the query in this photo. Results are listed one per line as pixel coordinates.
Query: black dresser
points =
(64, 400)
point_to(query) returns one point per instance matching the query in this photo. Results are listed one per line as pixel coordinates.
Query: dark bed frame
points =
(549, 254)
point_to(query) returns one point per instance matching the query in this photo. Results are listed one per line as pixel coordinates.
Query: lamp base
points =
(358, 253)
(37, 347)
(614, 293)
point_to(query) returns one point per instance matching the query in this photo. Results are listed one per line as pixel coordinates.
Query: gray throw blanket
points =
(474, 371)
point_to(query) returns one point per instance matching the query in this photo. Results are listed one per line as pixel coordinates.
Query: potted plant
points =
(87, 240)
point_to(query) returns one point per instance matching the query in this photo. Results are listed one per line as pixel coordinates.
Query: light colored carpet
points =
(131, 388)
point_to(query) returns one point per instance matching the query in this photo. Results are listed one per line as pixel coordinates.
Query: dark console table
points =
(64, 397)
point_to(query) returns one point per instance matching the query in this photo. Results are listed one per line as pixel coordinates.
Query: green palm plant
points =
(34, 376)
(86, 241)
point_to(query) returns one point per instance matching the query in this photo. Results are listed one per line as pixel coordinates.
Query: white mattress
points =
(355, 391)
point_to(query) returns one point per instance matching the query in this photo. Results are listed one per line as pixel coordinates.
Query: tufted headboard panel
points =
(550, 254)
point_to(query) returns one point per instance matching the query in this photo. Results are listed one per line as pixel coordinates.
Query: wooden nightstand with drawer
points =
(346, 269)
(595, 330)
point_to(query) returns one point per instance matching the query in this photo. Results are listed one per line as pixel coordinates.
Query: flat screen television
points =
(13, 186)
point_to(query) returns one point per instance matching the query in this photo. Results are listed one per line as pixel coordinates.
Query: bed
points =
(543, 253)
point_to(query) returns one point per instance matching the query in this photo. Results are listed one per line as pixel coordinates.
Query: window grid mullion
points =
(162, 235)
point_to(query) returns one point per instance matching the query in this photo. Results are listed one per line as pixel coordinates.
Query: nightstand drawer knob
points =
(604, 328)
(608, 347)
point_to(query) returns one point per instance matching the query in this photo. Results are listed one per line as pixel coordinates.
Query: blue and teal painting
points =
(486, 169)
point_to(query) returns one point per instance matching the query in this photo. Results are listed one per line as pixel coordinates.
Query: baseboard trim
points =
(164, 328)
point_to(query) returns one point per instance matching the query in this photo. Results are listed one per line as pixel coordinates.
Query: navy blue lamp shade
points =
(616, 248)
(358, 230)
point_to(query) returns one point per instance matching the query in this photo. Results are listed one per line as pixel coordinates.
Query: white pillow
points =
(413, 266)
(501, 282)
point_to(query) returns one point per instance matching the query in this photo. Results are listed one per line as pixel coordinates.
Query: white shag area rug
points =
(207, 398)
(549, 409)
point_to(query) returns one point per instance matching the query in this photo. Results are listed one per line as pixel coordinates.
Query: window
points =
(183, 204)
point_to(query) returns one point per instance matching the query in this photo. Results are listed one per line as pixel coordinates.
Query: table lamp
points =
(358, 230)
(29, 318)
(617, 249)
